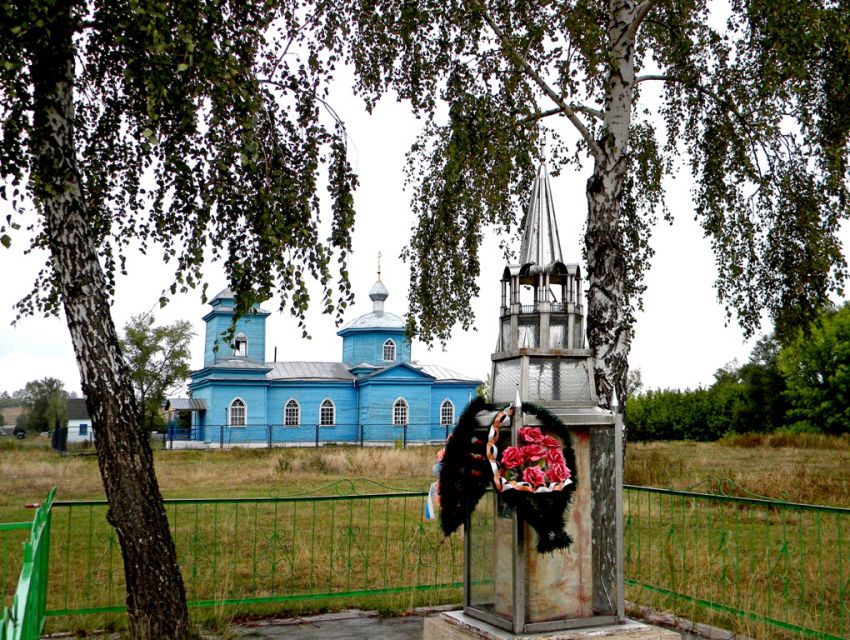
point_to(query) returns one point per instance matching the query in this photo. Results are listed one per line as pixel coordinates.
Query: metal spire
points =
(541, 244)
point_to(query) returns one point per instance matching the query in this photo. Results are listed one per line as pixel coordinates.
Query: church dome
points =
(378, 318)
(379, 292)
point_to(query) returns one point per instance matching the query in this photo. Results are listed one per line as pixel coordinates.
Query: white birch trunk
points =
(155, 595)
(609, 337)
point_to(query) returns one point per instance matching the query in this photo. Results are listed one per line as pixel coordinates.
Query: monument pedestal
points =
(455, 625)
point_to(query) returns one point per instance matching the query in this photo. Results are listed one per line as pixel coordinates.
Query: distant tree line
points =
(44, 402)
(158, 360)
(802, 385)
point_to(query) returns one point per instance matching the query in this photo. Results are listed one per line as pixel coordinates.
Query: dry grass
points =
(784, 439)
(28, 469)
(10, 414)
(816, 476)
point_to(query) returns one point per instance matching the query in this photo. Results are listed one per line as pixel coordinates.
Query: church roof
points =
(224, 294)
(238, 363)
(186, 404)
(308, 371)
(227, 294)
(375, 320)
(442, 374)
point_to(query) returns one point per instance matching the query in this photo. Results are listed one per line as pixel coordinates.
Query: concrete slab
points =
(455, 625)
(343, 626)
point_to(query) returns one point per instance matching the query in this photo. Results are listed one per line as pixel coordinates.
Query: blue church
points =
(376, 394)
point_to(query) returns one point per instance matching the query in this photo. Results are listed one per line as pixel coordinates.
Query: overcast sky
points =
(680, 340)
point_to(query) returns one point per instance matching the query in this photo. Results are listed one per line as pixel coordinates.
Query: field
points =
(818, 473)
(227, 554)
(10, 414)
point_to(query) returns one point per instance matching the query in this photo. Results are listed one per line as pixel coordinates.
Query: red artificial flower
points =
(533, 452)
(558, 472)
(555, 456)
(552, 443)
(534, 476)
(532, 435)
(512, 457)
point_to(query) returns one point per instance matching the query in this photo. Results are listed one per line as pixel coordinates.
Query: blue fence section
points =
(276, 435)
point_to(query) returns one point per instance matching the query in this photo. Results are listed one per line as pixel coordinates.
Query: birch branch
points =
(591, 111)
(642, 11)
(564, 108)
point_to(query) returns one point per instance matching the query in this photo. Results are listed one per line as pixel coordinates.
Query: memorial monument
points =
(511, 589)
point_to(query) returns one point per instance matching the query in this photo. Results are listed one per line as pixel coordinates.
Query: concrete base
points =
(455, 625)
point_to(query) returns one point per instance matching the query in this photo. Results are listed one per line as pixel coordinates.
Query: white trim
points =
(387, 342)
(442, 404)
(406, 412)
(332, 423)
(298, 416)
(230, 413)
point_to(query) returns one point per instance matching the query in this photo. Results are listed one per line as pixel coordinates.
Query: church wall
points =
(201, 419)
(254, 328)
(368, 347)
(215, 325)
(310, 396)
(254, 396)
(376, 401)
(226, 375)
(460, 395)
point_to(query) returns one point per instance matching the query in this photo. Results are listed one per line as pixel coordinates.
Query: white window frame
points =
(389, 343)
(297, 422)
(244, 407)
(322, 422)
(239, 340)
(399, 419)
(443, 405)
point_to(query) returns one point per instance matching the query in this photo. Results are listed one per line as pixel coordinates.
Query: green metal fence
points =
(12, 538)
(762, 563)
(24, 620)
(264, 550)
(765, 564)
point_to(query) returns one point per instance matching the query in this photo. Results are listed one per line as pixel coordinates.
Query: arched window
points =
(400, 412)
(447, 413)
(292, 413)
(240, 345)
(327, 413)
(389, 351)
(237, 412)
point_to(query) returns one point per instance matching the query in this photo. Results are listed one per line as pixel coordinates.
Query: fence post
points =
(362, 428)
(317, 435)
(404, 440)
(171, 435)
(221, 436)
(270, 436)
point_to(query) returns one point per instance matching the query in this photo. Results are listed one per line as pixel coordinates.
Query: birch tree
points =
(147, 124)
(749, 97)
